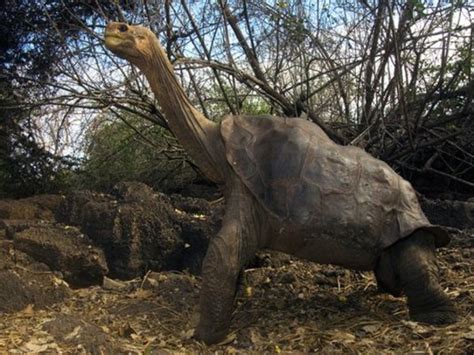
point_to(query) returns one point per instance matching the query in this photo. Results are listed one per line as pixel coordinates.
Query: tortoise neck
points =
(198, 135)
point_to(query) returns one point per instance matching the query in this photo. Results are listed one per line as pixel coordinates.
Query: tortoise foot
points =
(436, 317)
(210, 337)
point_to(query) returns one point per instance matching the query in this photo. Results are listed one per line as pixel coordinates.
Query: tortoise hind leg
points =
(416, 273)
(386, 275)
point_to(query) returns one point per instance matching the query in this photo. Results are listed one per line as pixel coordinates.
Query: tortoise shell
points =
(301, 177)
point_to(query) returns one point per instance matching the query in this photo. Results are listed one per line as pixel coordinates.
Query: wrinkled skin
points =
(288, 187)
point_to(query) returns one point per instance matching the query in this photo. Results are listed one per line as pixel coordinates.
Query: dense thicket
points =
(32, 39)
(392, 77)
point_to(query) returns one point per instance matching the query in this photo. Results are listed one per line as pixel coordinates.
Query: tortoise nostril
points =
(123, 28)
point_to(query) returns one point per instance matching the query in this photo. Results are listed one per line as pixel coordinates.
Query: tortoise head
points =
(133, 43)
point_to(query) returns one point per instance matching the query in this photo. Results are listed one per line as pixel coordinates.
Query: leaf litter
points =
(286, 306)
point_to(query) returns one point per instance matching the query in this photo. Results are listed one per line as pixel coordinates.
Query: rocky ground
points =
(94, 273)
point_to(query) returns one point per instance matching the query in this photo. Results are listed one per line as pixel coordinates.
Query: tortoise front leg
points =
(227, 254)
(220, 272)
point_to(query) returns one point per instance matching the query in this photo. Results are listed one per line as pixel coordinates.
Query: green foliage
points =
(26, 169)
(245, 102)
(255, 106)
(465, 63)
(418, 8)
(135, 150)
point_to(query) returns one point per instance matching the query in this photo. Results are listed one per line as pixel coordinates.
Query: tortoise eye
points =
(123, 28)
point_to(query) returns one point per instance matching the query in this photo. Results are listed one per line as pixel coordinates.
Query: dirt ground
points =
(284, 306)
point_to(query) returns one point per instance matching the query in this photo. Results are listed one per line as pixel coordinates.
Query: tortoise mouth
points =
(112, 40)
(111, 34)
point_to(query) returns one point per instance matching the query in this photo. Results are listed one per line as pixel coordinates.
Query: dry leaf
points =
(141, 294)
(248, 291)
(28, 311)
(410, 324)
(74, 333)
(126, 331)
(105, 329)
(371, 328)
(344, 337)
(255, 336)
(188, 334)
(36, 345)
(229, 339)
(35, 348)
(469, 335)
(110, 284)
